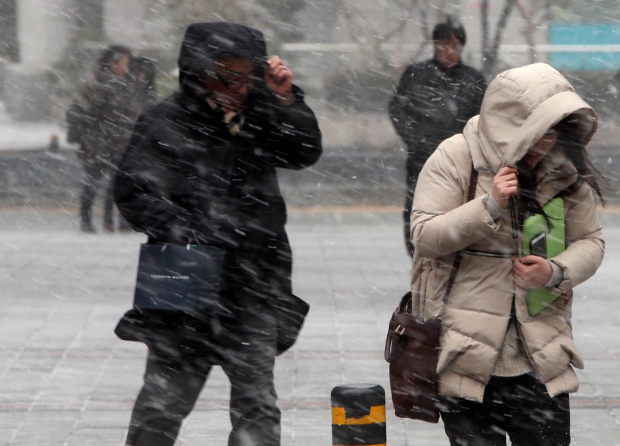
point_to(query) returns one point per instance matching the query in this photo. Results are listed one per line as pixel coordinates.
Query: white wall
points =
(140, 24)
(44, 26)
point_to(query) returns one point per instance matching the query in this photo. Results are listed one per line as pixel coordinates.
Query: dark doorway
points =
(9, 43)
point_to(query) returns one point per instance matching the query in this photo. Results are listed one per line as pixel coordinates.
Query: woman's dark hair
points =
(574, 147)
(111, 53)
(575, 150)
(527, 202)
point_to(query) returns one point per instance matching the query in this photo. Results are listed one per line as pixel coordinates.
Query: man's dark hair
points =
(113, 52)
(446, 29)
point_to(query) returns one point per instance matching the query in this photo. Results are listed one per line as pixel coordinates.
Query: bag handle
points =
(195, 239)
(392, 351)
(471, 193)
(404, 302)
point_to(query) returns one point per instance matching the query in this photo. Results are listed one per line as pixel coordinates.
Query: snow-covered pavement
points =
(65, 379)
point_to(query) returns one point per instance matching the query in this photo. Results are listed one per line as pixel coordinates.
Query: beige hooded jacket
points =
(520, 105)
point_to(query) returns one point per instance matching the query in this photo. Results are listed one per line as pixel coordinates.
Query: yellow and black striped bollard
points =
(358, 415)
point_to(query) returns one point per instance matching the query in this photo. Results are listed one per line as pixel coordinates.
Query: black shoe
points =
(108, 225)
(87, 227)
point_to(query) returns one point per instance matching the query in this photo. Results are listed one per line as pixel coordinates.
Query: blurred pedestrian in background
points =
(201, 168)
(434, 100)
(108, 113)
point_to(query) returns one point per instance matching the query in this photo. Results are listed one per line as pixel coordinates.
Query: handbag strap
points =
(471, 193)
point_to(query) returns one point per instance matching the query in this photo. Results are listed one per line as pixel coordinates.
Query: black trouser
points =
(174, 379)
(416, 157)
(95, 174)
(518, 406)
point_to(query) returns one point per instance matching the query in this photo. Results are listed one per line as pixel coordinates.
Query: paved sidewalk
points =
(66, 380)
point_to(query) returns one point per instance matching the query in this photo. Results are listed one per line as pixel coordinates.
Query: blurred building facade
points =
(347, 53)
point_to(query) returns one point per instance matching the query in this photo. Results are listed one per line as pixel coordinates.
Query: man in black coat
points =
(434, 100)
(201, 169)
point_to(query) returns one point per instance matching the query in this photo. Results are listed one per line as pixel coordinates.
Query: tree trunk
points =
(491, 52)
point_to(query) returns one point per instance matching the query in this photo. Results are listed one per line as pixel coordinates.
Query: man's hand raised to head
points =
(279, 80)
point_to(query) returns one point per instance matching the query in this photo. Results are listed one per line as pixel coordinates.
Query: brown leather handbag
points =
(412, 350)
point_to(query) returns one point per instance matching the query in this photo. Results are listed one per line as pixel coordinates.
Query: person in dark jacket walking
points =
(201, 167)
(109, 105)
(434, 100)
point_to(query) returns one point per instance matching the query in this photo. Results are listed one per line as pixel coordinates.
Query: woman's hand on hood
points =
(279, 80)
(505, 185)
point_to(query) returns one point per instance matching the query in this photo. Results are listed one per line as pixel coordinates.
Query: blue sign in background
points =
(584, 34)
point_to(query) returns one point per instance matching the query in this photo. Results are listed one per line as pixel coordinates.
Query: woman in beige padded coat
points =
(501, 370)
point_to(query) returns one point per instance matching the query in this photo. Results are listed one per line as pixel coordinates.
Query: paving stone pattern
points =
(65, 379)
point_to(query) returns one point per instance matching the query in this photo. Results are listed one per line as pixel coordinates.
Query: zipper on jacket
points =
(495, 255)
(528, 356)
(515, 235)
(513, 217)
(514, 220)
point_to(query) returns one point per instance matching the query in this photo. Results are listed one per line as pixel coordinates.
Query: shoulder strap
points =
(471, 193)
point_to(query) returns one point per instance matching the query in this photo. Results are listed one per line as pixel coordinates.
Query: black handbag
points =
(183, 279)
(412, 349)
(291, 312)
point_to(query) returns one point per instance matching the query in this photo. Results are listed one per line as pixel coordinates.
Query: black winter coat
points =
(431, 104)
(111, 111)
(184, 176)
